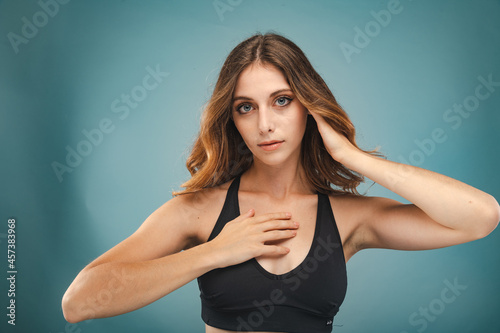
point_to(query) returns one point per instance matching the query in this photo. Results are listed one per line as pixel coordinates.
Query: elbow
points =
(72, 308)
(489, 217)
(68, 308)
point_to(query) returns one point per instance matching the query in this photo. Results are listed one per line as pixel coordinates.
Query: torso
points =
(303, 209)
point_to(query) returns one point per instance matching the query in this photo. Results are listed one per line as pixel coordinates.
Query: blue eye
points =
(244, 108)
(282, 101)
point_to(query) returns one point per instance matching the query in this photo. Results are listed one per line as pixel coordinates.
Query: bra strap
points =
(230, 210)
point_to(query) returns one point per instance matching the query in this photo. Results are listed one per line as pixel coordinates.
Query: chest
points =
(304, 211)
(311, 278)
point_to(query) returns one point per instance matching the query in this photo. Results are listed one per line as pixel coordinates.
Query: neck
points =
(277, 181)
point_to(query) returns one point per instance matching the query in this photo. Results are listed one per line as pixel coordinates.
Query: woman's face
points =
(268, 115)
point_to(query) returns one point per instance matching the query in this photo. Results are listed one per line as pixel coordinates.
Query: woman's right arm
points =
(149, 265)
(141, 269)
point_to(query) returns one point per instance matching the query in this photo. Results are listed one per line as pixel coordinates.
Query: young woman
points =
(271, 213)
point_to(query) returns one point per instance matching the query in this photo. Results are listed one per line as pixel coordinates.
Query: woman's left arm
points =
(444, 211)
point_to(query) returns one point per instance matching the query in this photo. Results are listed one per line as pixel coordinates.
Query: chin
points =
(275, 159)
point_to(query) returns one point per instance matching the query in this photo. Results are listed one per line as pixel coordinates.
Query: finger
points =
(248, 214)
(279, 225)
(278, 235)
(272, 216)
(319, 119)
(274, 250)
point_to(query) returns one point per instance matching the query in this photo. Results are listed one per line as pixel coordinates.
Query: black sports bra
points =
(245, 297)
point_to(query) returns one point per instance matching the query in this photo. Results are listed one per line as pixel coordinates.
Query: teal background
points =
(396, 90)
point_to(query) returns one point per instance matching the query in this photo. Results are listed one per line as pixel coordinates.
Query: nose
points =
(266, 121)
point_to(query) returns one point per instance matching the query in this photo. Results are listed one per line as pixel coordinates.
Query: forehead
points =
(259, 80)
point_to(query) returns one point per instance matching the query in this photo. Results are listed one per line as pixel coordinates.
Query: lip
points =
(270, 145)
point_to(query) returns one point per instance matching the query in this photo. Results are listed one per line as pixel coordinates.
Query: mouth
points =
(270, 145)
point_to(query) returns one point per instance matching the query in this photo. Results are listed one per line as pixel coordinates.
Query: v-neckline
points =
(309, 253)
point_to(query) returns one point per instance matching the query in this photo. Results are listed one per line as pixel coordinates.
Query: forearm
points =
(447, 201)
(114, 288)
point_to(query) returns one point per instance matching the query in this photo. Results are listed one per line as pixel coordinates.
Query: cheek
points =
(243, 128)
(299, 125)
(297, 120)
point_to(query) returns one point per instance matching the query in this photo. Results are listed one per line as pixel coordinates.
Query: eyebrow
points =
(277, 92)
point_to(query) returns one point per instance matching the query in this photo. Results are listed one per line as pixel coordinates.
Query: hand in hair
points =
(338, 146)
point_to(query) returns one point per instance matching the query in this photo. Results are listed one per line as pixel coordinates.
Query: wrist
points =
(214, 257)
(350, 157)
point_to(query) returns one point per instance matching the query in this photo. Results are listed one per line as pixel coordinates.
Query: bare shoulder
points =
(178, 224)
(201, 209)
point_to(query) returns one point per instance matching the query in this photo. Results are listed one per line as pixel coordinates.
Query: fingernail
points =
(288, 215)
(296, 224)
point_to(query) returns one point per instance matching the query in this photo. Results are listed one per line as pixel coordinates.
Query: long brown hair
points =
(219, 152)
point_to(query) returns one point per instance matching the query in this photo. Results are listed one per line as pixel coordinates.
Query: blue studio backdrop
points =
(100, 102)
